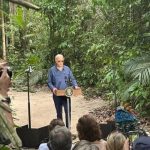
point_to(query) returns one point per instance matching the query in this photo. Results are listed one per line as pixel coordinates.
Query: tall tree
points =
(3, 31)
(12, 8)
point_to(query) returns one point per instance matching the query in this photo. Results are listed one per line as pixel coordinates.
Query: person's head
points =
(59, 60)
(88, 129)
(54, 123)
(5, 78)
(60, 138)
(142, 143)
(115, 141)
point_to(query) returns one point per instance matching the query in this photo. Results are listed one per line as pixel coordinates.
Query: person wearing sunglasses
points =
(8, 135)
(59, 78)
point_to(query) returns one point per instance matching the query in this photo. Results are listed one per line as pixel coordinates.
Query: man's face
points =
(5, 80)
(60, 62)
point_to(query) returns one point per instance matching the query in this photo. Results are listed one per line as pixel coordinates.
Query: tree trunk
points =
(25, 4)
(3, 31)
(11, 12)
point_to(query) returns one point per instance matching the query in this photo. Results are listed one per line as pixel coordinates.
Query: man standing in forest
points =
(58, 77)
(8, 134)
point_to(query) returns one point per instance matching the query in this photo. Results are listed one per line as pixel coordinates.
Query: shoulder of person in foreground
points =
(85, 145)
(101, 144)
(7, 131)
(43, 146)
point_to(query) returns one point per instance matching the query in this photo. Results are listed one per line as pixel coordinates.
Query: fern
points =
(139, 69)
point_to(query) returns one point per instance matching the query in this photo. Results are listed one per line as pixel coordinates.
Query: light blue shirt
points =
(43, 146)
(58, 79)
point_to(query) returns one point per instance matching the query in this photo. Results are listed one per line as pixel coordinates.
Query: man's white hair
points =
(59, 56)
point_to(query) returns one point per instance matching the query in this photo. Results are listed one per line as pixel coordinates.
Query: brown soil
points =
(43, 109)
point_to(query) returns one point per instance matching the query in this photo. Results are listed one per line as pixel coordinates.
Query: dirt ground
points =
(43, 110)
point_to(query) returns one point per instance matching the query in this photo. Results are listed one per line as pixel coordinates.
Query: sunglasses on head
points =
(9, 72)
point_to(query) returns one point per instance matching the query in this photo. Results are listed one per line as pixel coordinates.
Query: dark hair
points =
(60, 138)
(142, 143)
(88, 129)
(54, 123)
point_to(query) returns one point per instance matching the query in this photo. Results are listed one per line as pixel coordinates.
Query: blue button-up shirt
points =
(58, 79)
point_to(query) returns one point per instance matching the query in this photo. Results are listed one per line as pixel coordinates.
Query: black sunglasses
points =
(9, 72)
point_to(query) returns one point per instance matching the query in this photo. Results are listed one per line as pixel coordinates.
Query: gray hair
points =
(59, 56)
(60, 138)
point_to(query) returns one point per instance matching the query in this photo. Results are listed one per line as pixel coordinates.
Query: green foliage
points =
(28, 47)
(18, 19)
(103, 41)
(122, 36)
(4, 148)
(139, 69)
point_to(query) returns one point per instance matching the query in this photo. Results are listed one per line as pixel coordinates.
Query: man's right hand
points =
(54, 90)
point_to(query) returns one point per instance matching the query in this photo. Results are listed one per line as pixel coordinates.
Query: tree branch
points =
(25, 4)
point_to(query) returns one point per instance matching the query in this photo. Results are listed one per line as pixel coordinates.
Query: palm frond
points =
(139, 68)
(129, 89)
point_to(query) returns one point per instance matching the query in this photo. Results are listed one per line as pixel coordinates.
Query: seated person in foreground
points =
(8, 135)
(89, 133)
(52, 125)
(60, 138)
(142, 143)
(117, 141)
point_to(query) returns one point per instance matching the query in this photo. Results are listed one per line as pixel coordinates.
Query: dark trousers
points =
(60, 102)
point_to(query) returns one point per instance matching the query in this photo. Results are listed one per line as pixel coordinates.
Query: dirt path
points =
(43, 110)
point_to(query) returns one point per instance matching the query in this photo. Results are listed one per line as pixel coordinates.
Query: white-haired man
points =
(58, 77)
